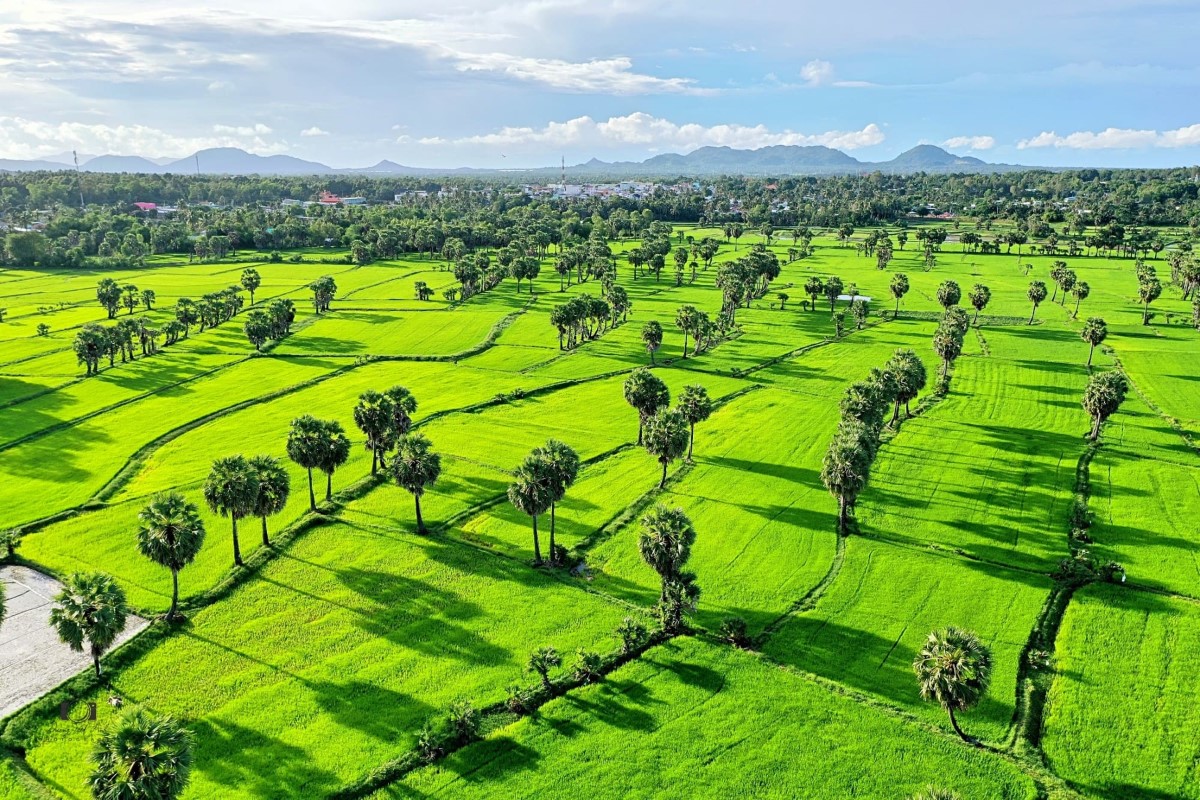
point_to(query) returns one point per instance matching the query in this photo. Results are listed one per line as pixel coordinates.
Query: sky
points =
(528, 82)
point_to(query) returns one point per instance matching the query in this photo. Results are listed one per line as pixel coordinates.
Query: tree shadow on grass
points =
(245, 760)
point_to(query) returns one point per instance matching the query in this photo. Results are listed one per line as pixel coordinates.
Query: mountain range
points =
(774, 160)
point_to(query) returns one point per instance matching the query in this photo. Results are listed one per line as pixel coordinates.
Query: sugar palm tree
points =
(665, 543)
(1149, 290)
(334, 451)
(231, 491)
(646, 392)
(1036, 294)
(304, 448)
(375, 417)
(979, 296)
(899, 288)
(142, 756)
(274, 488)
(847, 465)
(696, 406)
(652, 336)
(1095, 331)
(667, 438)
(532, 492)
(563, 465)
(1080, 291)
(404, 405)
(542, 661)
(948, 294)
(90, 609)
(954, 669)
(170, 533)
(416, 467)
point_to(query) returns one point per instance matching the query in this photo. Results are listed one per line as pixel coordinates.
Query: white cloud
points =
(970, 143)
(257, 129)
(314, 131)
(1115, 139)
(649, 131)
(26, 138)
(606, 76)
(817, 72)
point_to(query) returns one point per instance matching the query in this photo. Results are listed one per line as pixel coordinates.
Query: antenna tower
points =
(79, 180)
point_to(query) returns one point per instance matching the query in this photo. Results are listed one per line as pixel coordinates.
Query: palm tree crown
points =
(91, 608)
(141, 756)
(170, 533)
(954, 669)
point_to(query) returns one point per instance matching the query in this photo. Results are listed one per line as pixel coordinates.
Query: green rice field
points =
(314, 670)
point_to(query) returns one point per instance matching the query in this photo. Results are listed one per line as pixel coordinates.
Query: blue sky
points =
(523, 83)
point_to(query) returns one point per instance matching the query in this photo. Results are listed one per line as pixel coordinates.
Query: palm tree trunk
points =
(266, 539)
(639, 430)
(1091, 350)
(374, 460)
(328, 486)
(1095, 429)
(420, 522)
(1075, 313)
(896, 411)
(954, 723)
(552, 545)
(96, 660)
(662, 483)
(537, 548)
(312, 498)
(842, 517)
(691, 440)
(1031, 313)
(174, 595)
(685, 342)
(237, 551)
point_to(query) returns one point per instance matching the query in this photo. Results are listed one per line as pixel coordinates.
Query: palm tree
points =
(274, 487)
(231, 491)
(304, 448)
(685, 320)
(415, 467)
(1149, 290)
(652, 336)
(899, 288)
(141, 756)
(1036, 294)
(667, 438)
(665, 543)
(563, 465)
(1102, 397)
(334, 451)
(953, 668)
(251, 280)
(532, 492)
(980, 296)
(1080, 291)
(91, 608)
(542, 661)
(1095, 331)
(696, 406)
(646, 392)
(375, 417)
(948, 294)
(813, 288)
(847, 465)
(909, 372)
(404, 405)
(170, 533)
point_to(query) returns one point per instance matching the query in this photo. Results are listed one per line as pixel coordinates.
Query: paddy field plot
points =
(696, 719)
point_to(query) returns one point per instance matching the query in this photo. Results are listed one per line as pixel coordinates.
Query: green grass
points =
(695, 720)
(1124, 709)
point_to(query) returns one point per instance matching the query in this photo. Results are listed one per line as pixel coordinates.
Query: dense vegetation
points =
(736, 506)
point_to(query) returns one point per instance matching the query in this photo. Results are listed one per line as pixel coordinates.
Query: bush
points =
(632, 634)
(276, 257)
(587, 666)
(10, 540)
(465, 719)
(518, 699)
(429, 742)
(733, 631)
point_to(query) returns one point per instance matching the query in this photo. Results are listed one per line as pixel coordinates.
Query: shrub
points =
(518, 699)
(587, 666)
(465, 719)
(429, 742)
(733, 631)
(632, 634)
